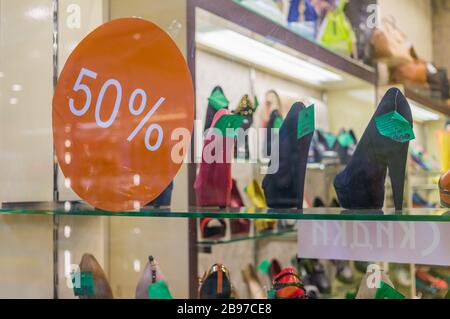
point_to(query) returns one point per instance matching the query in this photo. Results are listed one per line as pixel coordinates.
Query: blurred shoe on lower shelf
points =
(312, 292)
(287, 285)
(377, 286)
(254, 285)
(344, 272)
(402, 277)
(92, 275)
(431, 280)
(361, 266)
(425, 289)
(442, 273)
(315, 275)
(216, 283)
(152, 284)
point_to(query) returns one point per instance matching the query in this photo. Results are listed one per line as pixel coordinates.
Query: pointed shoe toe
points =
(102, 288)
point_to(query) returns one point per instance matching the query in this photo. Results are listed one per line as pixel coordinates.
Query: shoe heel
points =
(397, 166)
(305, 143)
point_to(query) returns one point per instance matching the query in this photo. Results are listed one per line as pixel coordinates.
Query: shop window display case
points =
(46, 230)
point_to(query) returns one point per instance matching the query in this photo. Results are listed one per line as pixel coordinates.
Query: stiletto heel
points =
(384, 144)
(397, 167)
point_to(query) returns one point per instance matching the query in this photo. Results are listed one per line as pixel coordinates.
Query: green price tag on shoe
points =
(159, 290)
(228, 124)
(394, 126)
(345, 139)
(277, 123)
(330, 139)
(83, 284)
(218, 100)
(350, 295)
(387, 292)
(264, 266)
(306, 122)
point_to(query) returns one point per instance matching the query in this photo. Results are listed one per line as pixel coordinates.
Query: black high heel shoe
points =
(285, 188)
(361, 184)
(216, 284)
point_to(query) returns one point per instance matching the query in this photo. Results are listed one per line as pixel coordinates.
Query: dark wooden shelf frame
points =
(439, 106)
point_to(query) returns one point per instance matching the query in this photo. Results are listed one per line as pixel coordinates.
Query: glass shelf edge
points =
(281, 234)
(236, 215)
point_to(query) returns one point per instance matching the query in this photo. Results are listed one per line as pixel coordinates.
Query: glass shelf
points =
(290, 234)
(82, 209)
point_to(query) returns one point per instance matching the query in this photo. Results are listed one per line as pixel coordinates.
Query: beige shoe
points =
(254, 285)
(102, 288)
(152, 273)
(364, 292)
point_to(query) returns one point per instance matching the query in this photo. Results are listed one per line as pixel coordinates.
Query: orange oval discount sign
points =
(123, 91)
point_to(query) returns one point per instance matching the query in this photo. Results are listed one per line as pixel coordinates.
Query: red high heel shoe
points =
(287, 285)
(429, 279)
